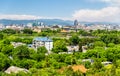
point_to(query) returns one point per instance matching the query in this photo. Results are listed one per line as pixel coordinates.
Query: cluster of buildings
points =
(48, 44)
(39, 26)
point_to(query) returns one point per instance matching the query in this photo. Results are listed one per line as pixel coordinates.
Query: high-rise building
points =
(76, 24)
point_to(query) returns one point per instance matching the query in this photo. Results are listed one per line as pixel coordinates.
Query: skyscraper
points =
(76, 24)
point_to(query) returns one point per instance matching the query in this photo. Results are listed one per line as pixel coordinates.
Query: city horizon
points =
(83, 11)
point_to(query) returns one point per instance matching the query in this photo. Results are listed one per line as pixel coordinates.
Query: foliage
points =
(99, 43)
(9, 31)
(7, 50)
(21, 52)
(27, 31)
(1, 36)
(74, 40)
(59, 46)
(110, 39)
(102, 45)
(97, 66)
(4, 62)
(41, 50)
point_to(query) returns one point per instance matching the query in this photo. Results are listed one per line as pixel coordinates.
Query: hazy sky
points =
(83, 10)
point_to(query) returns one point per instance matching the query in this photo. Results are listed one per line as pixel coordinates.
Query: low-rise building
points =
(2, 27)
(84, 49)
(106, 63)
(73, 48)
(88, 60)
(43, 41)
(38, 30)
(55, 27)
(16, 44)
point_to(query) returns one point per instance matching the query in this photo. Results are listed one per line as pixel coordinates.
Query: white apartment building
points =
(43, 41)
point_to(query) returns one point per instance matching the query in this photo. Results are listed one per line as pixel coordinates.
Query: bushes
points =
(4, 62)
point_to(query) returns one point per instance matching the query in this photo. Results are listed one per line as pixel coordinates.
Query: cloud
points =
(107, 14)
(19, 17)
(108, 2)
(112, 2)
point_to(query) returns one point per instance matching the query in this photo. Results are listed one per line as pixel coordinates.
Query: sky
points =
(82, 10)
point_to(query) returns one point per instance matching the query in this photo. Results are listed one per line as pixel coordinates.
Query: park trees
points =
(4, 62)
(97, 66)
(74, 40)
(27, 31)
(113, 53)
(9, 31)
(7, 50)
(1, 36)
(59, 46)
(99, 43)
(21, 52)
(41, 50)
(39, 54)
(110, 39)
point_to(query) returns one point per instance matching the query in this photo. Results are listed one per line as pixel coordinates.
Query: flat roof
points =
(44, 39)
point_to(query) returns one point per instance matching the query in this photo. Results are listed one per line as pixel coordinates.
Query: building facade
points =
(43, 41)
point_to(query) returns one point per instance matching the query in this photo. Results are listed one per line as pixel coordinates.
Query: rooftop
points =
(44, 39)
(75, 68)
(14, 69)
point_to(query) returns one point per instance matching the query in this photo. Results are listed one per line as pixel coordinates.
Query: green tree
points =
(9, 31)
(41, 50)
(99, 43)
(113, 53)
(87, 64)
(1, 36)
(97, 66)
(84, 33)
(27, 31)
(70, 60)
(40, 54)
(59, 46)
(7, 49)
(111, 45)
(21, 52)
(4, 62)
(6, 41)
(110, 39)
(27, 63)
(74, 40)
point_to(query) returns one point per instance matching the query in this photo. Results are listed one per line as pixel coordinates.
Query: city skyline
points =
(82, 10)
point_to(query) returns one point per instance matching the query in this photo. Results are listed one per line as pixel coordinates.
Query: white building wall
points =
(49, 46)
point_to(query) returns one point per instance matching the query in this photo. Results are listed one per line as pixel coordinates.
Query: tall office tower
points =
(76, 24)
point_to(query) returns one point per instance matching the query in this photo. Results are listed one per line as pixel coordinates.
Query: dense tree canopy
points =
(27, 31)
(4, 62)
(9, 31)
(110, 39)
(41, 50)
(74, 40)
(21, 52)
(59, 46)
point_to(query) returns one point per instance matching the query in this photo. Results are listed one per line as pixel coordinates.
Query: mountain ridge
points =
(50, 22)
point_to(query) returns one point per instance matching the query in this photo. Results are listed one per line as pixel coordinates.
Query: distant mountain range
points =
(45, 21)
(50, 22)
